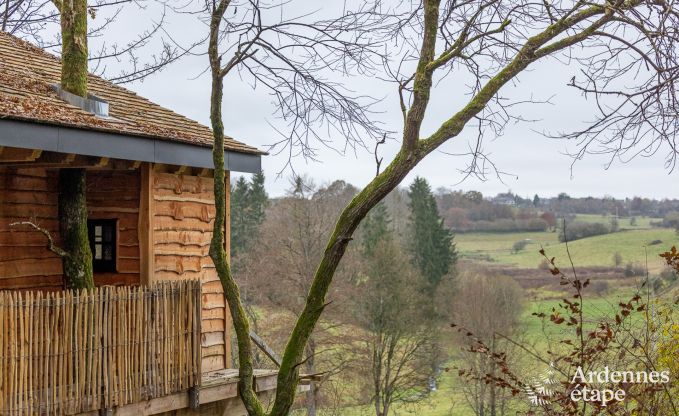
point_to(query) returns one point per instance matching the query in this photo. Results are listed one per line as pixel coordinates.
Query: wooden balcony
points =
(73, 352)
(125, 350)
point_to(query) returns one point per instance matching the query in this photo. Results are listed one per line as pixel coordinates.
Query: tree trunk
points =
(77, 263)
(74, 46)
(241, 323)
(492, 385)
(312, 394)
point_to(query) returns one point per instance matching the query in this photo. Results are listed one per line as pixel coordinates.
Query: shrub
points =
(535, 224)
(600, 287)
(633, 269)
(544, 265)
(578, 230)
(519, 246)
(633, 221)
(655, 242)
(508, 225)
(669, 274)
(617, 259)
(671, 219)
(657, 284)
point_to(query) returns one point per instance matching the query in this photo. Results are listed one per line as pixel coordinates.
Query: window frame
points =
(103, 265)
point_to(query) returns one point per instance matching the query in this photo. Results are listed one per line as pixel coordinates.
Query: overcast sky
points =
(534, 163)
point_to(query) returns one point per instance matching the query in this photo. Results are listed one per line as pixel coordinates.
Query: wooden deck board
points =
(216, 386)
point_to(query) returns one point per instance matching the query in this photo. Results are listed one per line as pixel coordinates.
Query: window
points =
(102, 235)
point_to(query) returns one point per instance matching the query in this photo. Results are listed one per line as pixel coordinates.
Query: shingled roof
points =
(27, 77)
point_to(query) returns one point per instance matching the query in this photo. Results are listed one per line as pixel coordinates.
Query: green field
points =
(633, 243)
(633, 246)
(448, 400)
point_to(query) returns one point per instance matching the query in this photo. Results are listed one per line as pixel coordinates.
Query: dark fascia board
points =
(60, 139)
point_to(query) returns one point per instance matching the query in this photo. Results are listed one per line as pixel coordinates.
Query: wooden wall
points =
(172, 228)
(182, 230)
(25, 262)
(115, 195)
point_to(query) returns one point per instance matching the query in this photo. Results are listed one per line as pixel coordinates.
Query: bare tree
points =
(487, 305)
(39, 21)
(492, 41)
(398, 341)
(291, 239)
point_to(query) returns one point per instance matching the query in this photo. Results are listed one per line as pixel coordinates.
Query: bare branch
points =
(50, 241)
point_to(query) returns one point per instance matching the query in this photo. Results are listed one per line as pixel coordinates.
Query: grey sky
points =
(536, 164)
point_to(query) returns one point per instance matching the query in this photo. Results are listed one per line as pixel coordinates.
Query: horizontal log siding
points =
(30, 194)
(184, 213)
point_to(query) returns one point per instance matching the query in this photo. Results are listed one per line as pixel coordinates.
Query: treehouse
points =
(154, 335)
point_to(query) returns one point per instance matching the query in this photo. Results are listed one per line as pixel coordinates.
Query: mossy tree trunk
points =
(74, 46)
(241, 324)
(77, 261)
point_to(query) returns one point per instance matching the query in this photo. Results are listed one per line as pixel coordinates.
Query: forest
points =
(390, 344)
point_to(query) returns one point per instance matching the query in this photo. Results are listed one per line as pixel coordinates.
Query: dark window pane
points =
(108, 252)
(102, 235)
(108, 234)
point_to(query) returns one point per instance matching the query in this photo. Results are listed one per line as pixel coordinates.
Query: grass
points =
(633, 246)
(448, 399)
(623, 222)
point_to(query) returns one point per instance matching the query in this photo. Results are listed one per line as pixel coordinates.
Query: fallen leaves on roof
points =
(27, 74)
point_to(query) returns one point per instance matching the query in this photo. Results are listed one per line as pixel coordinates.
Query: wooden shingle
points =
(27, 74)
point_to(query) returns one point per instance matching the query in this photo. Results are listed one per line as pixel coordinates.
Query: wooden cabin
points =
(150, 212)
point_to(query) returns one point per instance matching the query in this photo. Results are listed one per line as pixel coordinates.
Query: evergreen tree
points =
(239, 192)
(431, 244)
(375, 228)
(249, 201)
(258, 199)
(536, 201)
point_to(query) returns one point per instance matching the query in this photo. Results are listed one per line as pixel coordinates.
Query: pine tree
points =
(249, 201)
(431, 244)
(258, 199)
(239, 192)
(375, 228)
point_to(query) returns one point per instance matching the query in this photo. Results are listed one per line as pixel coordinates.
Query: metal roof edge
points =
(61, 139)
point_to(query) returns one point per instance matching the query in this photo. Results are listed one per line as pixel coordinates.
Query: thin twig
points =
(50, 241)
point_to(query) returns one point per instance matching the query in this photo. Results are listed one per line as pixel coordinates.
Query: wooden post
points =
(145, 229)
(227, 247)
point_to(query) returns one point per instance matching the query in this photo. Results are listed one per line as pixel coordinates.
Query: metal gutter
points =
(53, 138)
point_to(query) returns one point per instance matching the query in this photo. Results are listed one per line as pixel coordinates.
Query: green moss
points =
(77, 263)
(74, 47)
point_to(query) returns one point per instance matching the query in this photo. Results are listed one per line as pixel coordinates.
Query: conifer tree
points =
(376, 228)
(431, 244)
(248, 209)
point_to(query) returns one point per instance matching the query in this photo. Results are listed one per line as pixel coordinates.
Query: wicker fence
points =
(75, 351)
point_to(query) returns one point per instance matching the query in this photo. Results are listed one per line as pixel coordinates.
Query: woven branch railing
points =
(76, 351)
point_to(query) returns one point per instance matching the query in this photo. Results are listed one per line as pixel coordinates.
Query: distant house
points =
(507, 198)
(155, 336)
